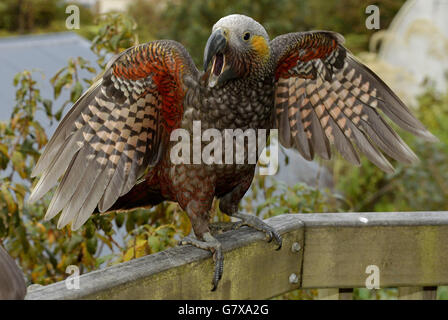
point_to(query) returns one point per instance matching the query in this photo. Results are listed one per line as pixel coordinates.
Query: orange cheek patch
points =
(260, 45)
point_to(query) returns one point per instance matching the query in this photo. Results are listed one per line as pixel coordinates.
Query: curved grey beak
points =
(215, 43)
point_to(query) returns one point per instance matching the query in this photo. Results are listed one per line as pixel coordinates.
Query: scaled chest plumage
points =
(237, 105)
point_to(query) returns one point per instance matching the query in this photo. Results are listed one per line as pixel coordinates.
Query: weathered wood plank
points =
(253, 269)
(409, 249)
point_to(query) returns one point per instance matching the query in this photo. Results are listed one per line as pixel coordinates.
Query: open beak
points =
(214, 51)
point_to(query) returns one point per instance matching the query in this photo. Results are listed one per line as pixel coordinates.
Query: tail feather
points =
(140, 196)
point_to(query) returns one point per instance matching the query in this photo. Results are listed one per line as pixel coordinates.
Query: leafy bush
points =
(190, 22)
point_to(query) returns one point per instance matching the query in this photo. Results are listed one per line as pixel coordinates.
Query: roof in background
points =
(46, 53)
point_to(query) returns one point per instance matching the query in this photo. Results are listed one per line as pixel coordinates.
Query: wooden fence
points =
(330, 251)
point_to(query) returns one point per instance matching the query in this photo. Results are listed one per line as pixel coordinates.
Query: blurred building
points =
(104, 6)
(416, 43)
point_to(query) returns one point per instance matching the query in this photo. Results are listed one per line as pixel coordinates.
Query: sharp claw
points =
(279, 240)
(211, 244)
(257, 223)
(218, 258)
(215, 285)
(237, 225)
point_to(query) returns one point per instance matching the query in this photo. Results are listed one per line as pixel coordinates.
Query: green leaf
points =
(74, 242)
(130, 222)
(114, 41)
(119, 219)
(9, 199)
(76, 92)
(90, 229)
(92, 245)
(48, 104)
(58, 114)
(4, 149)
(19, 165)
(154, 243)
(16, 79)
(58, 87)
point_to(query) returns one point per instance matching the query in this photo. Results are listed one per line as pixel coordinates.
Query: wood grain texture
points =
(410, 249)
(252, 268)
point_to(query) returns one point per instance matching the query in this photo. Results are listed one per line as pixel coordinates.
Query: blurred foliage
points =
(190, 22)
(116, 33)
(269, 197)
(27, 16)
(68, 77)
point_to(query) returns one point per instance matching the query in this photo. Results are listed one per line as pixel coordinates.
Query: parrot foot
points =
(214, 246)
(221, 227)
(257, 223)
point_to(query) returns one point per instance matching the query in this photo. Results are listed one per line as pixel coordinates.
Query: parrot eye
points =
(246, 36)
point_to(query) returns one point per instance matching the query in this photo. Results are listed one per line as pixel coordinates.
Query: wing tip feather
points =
(427, 136)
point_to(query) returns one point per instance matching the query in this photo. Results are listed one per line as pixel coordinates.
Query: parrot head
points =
(237, 48)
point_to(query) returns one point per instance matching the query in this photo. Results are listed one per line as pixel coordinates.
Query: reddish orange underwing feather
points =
(114, 131)
(166, 69)
(307, 48)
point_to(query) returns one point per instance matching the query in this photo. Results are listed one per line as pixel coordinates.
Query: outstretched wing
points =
(325, 96)
(114, 131)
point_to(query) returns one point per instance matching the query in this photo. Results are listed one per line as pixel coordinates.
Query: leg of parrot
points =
(256, 223)
(213, 245)
(229, 205)
(198, 211)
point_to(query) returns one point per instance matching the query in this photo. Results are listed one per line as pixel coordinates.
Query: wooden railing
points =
(333, 251)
